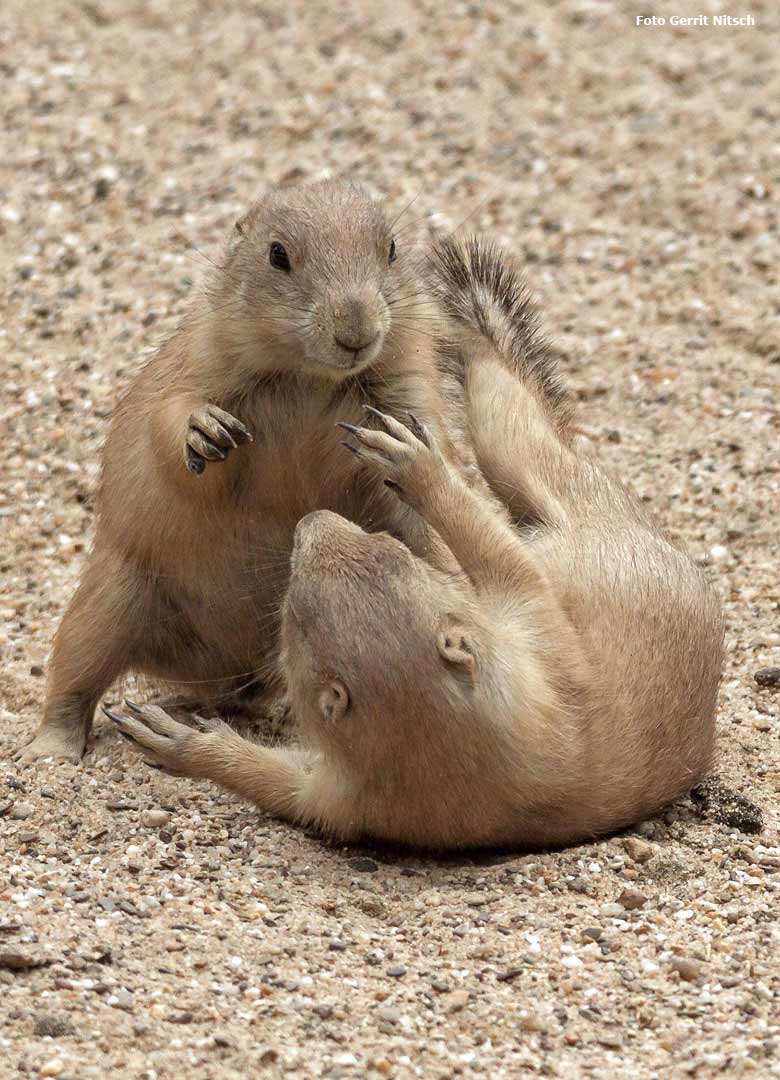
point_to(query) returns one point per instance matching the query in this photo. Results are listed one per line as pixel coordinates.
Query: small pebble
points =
(638, 850)
(363, 865)
(768, 677)
(101, 188)
(181, 1018)
(688, 970)
(123, 999)
(529, 1021)
(21, 811)
(389, 1015)
(15, 959)
(456, 1000)
(632, 899)
(154, 819)
(52, 1068)
(506, 976)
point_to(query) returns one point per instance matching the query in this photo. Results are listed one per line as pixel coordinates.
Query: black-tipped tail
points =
(477, 286)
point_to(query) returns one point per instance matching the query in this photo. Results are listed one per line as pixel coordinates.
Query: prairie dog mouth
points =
(346, 361)
(357, 355)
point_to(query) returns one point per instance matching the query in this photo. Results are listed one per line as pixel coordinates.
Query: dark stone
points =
(102, 188)
(726, 807)
(509, 974)
(363, 865)
(181, 1018)
(768, 676)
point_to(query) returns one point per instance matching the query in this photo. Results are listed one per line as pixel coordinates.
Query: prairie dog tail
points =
(480, 289)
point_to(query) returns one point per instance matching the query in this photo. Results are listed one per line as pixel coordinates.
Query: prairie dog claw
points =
(168, 744)
(211, 435)
(406, 455)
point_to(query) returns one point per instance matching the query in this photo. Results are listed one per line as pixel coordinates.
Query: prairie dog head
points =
(315, 277)
(375, 641)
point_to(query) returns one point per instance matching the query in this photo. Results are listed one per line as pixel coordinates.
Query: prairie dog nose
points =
(354, 324)
(318, 525)
(310, 523)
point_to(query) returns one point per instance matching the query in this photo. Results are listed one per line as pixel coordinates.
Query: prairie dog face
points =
(373, 639)
(319, 275)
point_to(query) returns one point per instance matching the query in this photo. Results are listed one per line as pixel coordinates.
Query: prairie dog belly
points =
(296, 465)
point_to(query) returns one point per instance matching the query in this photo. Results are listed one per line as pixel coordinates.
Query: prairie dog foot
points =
(55, 742)
(168, 744)
(211, 434)
(408, 456)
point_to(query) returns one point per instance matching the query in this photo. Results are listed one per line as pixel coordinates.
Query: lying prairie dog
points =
(558, 683)
(227, 438)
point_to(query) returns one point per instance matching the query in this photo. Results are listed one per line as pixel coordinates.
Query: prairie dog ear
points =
(237, 233)
(333, 701)
(241, 228)
(454, 645)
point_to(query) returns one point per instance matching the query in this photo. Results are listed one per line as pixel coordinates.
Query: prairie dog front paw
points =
(167, 744)
(407, 456)
(211, 434)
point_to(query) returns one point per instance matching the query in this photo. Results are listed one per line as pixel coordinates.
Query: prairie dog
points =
(556, 682)
(227, 438)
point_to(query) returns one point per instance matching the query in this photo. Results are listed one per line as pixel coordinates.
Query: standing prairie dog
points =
(556, 682)
(227, 438)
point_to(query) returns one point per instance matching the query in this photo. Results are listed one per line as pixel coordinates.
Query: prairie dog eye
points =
(278, 257)
(391, 256)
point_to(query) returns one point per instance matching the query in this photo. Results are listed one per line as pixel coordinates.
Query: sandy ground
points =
(151, 927)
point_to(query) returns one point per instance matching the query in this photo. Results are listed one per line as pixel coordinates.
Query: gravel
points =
(635, 172)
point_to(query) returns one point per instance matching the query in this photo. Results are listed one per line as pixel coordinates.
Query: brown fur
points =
(189, 569)
(557, 681)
